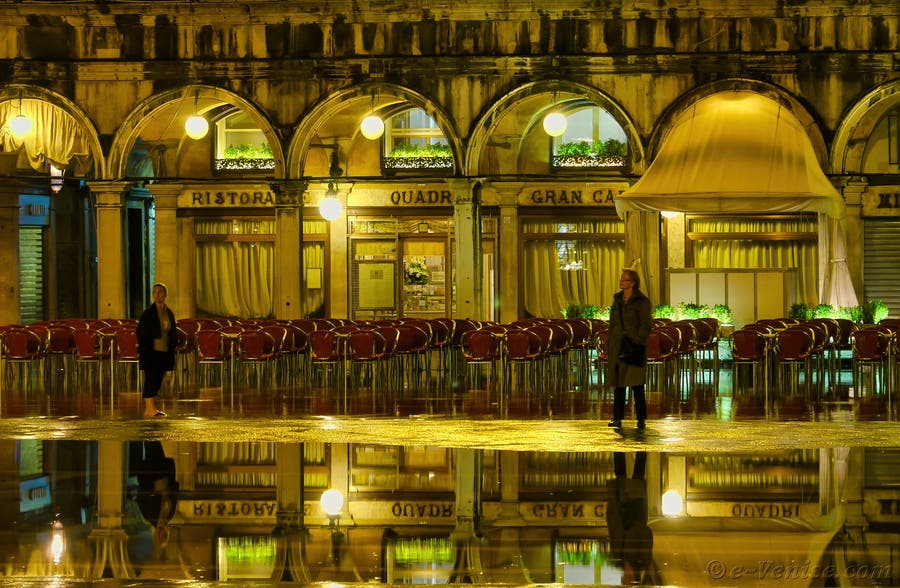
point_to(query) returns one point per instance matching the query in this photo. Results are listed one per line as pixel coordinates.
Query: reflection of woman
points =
(630, 539)
(157, 489)
(629, 317)
(157, 339)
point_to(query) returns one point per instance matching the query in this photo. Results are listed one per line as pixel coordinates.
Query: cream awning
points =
(731, 152)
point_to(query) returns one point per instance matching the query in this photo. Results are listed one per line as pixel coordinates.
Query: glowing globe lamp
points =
(555, 124)
(371, 127)
(330, 208)
(19, 125)
(332, 502)
(196, 127)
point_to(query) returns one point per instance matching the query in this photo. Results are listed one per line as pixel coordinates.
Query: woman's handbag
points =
(633, 353)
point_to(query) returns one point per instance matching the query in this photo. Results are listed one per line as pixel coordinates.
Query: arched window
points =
(592, 139)
(241, 145)
(413, 140)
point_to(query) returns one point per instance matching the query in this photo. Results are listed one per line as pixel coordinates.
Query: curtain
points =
(235, 278)
(55, 137)
(596, 284)
(727, 254)
(836, 286)
(314, 264)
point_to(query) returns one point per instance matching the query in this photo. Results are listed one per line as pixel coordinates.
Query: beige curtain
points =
(548, 289)
(55, 137)
(726, 254)
(313, 270)
(836, 286)
(235, 278)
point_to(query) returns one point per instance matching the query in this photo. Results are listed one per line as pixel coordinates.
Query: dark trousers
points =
(640, 465)
(154, 373)
(640, 402)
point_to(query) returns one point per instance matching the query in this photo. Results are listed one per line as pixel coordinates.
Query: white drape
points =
(835, 285)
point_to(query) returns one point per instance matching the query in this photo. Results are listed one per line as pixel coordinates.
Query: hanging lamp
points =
(372, 127)
(196, 126)
(555, 122)
(19, 125)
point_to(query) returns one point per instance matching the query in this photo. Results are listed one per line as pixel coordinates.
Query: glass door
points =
(424, 279)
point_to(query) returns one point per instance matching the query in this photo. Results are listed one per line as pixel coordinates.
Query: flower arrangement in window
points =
(415, 272)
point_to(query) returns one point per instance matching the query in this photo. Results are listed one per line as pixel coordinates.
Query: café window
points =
(577, 263)
(593, 139)
(420, 560)
(240, 145)
(414, 141)
(235, 267)
(248, 557)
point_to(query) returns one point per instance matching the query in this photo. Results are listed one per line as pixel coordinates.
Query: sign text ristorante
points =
(233, 198)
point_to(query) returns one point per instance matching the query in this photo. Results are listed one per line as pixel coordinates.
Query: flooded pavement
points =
(449, 484)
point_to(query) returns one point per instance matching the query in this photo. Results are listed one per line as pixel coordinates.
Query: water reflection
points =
(242, 511)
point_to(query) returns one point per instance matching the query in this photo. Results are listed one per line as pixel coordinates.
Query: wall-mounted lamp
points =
(56, 179)
(330, 208)
(196, 126)
(19, 125)
(57, 541)
(555, 122)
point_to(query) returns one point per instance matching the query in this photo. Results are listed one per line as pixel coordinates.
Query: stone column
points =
(109, 538)
(338, 263)
(467, 220)
(10, 189)
(508, 248)
(467, 568)
(853, 228)
(109, 201)
(288, 249)
(174, 251)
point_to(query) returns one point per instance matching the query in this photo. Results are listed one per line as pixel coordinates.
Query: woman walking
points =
(157, 339)
(629, 327)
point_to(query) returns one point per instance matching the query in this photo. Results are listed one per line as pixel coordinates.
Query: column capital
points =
(290, 193)
(465, 189)
(166, 195)
(508, 192)
(109, 193)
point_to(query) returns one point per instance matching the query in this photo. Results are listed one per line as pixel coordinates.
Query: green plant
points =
(799, 311)
(692, 310)
(589, 311)
(722, 313)
(663, 311)
(873, 311)
(248, 151)
(412, 151)
(574, 149)
(823, 311)
(853, 313)
(571, 311)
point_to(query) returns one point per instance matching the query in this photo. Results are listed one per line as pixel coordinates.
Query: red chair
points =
(872, 353)
(127, 356)
(748, 348)
(214, 350)
(412, 351)
(61, 349)
(326, 355)
(660, 356)
(522, 355)
(257, 350)
(794, 353)
(481, 348)
(92, 349)
(366, 356)
(21, 348)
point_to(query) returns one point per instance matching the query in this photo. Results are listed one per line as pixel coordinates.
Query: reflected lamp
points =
(57, 541)
(672, 503)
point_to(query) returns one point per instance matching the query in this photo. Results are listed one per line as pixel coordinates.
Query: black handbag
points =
(631, 352)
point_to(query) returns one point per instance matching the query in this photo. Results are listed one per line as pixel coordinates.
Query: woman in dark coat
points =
(157, 339)
(629, 317)
(630, 538)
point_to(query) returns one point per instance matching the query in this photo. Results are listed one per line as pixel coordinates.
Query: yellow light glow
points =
(669, 214)
(672, 503)
(196, 127)
(371, 127)
(332, 502)
(19, 125)
(330, 208)
(57, 542)
(555, 124)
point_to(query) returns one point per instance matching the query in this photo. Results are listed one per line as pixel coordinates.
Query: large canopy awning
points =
(735, 152)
